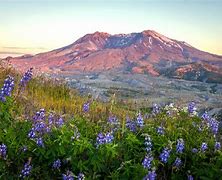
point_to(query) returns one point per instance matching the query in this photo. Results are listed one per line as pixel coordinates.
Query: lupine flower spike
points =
(26, 78)
(3, 150)
(164, 156)
(7, 88)
(26, 170)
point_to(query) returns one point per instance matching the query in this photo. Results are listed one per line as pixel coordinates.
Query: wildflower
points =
(151, 176)
(86, 107)
(148, 144)
(39, 116)
(113, 121)
(26, 170)
(140, 121)
(26, 78)
(68, 176)
(156, 109)
(180, 146)
(100, 139)
(164, 156)
(39, 142)
(109, 137)
(205, 116)
(217, 146)
(42, 114)
(50, 119)
(56, 164)
(194, 150)
(190, 177)
(177, 162)
(192, 108)
(147, 162)
(7, 88)
(31, 134)
(211, 122)
(81, 176)
(204, 147)
(131, 125)
(40, 127)
(160, 130)
(60, 122)
(214, 124)
(3, 150)
(103, 139)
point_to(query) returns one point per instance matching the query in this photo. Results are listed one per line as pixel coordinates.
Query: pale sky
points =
(28, 26)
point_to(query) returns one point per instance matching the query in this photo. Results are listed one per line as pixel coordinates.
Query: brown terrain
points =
(147, 52)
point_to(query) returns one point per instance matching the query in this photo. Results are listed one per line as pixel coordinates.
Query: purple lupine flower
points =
(39, 116)
(156, 109)
(204, 147)
(114, 122)
(3, 150)
(194, 150)
(214, 124)
(81, 176)
(189, 177)
(148, 144)
(180, 146)
(192, 107)
(211, 122)
(36, 116)
(26, 171)
(103, 139)
(140, 121)
(177, 162)
(205, 116)
(26, 78)
(100, 139)
(150, 176)
(60, 122)
(39, 142)
(217, 146)
(164, 156)
(7, 88)
(40, 127)
(56, 164)
(160, 130)
(86, 107)
(31, 133)
(68, 176)
(108, 137)
(131, 125)
(50, 119)
(147, 162)
(42, 114)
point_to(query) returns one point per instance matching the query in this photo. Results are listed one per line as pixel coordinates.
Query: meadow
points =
(49, 131)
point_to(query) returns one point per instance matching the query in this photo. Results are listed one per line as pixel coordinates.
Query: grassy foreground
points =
(48, 131)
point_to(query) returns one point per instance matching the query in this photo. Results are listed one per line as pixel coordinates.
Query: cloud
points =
(10, 52)
(23, 48)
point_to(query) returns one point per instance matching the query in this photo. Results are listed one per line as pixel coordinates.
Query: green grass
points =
(120, 159)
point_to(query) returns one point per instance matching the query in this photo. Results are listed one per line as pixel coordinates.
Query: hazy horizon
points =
(31, 27)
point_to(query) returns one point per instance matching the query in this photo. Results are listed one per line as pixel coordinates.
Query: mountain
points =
(147, 52)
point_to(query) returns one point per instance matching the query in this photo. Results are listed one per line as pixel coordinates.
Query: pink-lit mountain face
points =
(147, 52)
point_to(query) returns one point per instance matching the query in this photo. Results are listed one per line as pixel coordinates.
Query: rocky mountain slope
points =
(147, 52)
